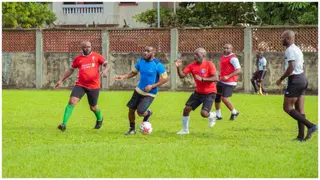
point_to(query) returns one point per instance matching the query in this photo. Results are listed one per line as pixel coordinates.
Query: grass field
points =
(258, 144)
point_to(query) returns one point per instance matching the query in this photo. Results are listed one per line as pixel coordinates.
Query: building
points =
(101, 14)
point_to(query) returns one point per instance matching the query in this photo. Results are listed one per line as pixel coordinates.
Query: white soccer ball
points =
(145, 128)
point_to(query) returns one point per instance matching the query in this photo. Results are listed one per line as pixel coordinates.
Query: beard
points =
(85, 53)
(147, 58)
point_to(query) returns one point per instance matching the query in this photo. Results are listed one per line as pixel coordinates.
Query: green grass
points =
(258, 144)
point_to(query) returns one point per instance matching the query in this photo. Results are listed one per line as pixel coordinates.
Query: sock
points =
(185, 122)
(301, 128)
(298, 116)
(218, 112)
(234, 111)
(147, 116)
(98, 115)
(132, 126)
(67, 113)
(254, 86)
(212, 115)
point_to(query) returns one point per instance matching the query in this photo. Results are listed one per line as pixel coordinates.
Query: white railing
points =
(83, 9)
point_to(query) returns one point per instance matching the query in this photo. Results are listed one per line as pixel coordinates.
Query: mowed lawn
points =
(257, 145)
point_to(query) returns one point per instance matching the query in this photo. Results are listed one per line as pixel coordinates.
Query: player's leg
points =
(226, 93)
(76, 94)
(192, 103)
(132, 105)
(218, 101)
(207, 101)
(299, 106)
(143, 106)
(93, 95)
(295, 89)
(253, 82)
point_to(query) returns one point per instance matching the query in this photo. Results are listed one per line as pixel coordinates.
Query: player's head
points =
(86, 47)
(227, 49)
(259, 54)
(287, 37)
(148, 53)
(199, 55)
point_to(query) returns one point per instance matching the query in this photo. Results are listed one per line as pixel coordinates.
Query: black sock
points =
(132, 126)
(254, 86)
(299, 117)
(147, 116)
(301, 128)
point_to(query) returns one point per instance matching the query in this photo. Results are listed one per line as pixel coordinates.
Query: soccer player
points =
(260, 73)
(229, 70)
(205, 75)
(297, 84)
(152, 75)
(88, 82)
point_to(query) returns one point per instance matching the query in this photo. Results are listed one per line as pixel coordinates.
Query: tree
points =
(281, 13)
(26, 14)
(150, 17)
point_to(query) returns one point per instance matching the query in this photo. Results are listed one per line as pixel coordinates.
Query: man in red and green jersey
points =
(205, 75)
(88, 82)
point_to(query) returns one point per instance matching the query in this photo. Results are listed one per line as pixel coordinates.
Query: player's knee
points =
(132, 111)
(204, 113)
(140, 112)
(187, 109)
(73, 101)
(287, 109)
(252, 80)
(218, 98)
(94, 108)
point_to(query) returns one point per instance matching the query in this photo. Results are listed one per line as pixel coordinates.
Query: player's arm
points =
(64, 77)
(288, 72)
(264, 68)
(105, 68)
(163, 79)
(181, 72)
(134, 71)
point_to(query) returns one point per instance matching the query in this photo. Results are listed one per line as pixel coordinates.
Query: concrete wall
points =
(18, 70)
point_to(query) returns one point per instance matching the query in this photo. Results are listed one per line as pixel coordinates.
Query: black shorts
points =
(297, 85)
(139, 102)
(224, 89)
(258, 75)
(205, 99)
(92, 94)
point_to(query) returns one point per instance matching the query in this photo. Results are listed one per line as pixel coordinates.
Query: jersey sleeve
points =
(289, 55)
(235, 62)
(74, 63)
(136, 67)
(264, 62)
(162, 71)
(187, 69)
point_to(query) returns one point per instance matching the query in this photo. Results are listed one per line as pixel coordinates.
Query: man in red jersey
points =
(205, 75)
(229, 70)
(88, 82)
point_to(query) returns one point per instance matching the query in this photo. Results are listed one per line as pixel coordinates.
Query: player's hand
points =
(119, 78)
(178, 62)
(199, 78)
(148, 88)
(225, 78)
(104, 73)
(57, 84)
(278, 82)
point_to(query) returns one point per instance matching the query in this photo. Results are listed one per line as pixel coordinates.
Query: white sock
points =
(185, 122)
(212, 115)
(234, 111)
(218, 112)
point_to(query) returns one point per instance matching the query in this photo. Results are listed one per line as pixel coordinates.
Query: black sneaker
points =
(62, 127)
(98, 124)
(219, 118)
(298, 139)
(130, 132)
(311, 131)
(147, 118)
(233, 116)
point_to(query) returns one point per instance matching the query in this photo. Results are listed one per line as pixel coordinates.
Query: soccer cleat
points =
(212, 120)
(62, 127)
(298, 139)
(130, 132)
(233, 116)
(98, 124)
(183, 131)
(147, 118)
(311, 131)
(219, 118)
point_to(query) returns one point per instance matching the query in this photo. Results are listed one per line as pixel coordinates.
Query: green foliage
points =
(208, 14)
(26, 14)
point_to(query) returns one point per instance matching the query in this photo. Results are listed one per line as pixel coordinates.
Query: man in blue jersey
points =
(152, 75)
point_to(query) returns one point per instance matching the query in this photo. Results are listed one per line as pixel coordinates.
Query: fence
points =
(42, 55)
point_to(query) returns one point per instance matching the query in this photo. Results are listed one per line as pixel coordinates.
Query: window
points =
(128, 3)
(73, 3)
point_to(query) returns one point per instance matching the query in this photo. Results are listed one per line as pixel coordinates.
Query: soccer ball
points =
(145, 128)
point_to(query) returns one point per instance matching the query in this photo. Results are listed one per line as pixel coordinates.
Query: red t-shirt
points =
(206, 69)
(88, 70)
